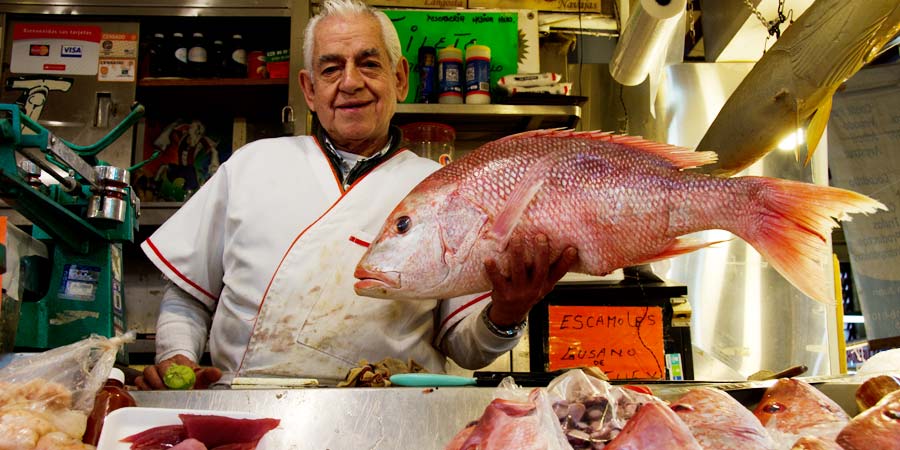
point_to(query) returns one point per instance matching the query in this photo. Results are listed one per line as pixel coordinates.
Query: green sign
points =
(439, 29)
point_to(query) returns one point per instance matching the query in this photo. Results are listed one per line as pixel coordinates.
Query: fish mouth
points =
(373, 283)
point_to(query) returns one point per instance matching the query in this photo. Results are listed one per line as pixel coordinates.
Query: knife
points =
(430, 380)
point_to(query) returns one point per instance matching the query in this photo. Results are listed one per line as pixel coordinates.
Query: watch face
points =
(505, 332)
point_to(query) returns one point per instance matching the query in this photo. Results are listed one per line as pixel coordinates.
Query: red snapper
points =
(620, 200)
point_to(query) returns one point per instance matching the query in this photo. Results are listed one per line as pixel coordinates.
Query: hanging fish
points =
(793, 83)
(619, 200)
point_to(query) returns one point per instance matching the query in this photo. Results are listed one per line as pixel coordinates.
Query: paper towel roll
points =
(644, 39)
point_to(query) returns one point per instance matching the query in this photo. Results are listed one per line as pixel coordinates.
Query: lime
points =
(179, 377)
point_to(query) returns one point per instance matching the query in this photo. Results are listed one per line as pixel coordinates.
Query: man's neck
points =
(365, 148)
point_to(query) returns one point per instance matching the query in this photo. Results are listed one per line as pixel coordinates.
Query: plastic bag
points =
(516, 418)
(592, 411)
(45, 399)
(81, 367)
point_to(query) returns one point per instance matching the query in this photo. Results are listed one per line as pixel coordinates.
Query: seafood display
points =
(792, 408)
(620, 200)
(719, 421)
(792, 415)
(39, 414)
(203, 431)
(877, 427)
(793, 83)
(509, 424)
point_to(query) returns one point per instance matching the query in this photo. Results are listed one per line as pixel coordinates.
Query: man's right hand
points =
(152, 379)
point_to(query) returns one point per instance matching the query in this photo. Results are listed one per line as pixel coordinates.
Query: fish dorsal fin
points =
(816, 127)
(680, 157)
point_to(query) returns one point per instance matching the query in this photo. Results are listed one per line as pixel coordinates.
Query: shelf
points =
(192, 82)
(488, 122)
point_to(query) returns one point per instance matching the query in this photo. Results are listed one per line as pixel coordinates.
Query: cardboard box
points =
(592, 6)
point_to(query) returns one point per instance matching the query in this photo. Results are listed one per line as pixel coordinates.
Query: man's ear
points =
(306, 84)
(402, 79)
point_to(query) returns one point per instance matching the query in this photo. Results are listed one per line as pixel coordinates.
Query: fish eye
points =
(403, 224)
(774, 408)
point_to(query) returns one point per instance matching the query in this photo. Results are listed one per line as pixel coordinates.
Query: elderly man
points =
(261, 259)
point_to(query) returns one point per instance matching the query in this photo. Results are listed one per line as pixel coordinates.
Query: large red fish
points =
(619, 200)
(792, 408)
(877, 427)
(654, 427)
(507, 424)
(720, 422)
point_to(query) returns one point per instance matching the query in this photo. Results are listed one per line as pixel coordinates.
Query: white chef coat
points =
(223, 247)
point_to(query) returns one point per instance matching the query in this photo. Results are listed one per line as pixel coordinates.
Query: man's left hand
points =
(532, 275)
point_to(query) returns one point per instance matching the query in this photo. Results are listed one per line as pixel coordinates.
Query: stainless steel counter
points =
(353, 418)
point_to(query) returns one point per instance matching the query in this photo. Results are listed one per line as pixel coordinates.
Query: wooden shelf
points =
(189, 82)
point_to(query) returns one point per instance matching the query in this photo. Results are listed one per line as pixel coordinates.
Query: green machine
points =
(84, 219)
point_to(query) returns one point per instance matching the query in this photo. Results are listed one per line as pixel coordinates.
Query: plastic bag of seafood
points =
(517, 418)
(592, 411)
(45, 398)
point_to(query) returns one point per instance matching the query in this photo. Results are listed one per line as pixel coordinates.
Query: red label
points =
(53, 31)
(39, 50)
(59, 67)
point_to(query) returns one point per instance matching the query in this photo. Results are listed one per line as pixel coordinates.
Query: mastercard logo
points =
(39, 50)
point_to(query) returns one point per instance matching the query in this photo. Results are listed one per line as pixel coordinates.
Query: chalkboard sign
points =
(626, 342)
(439, 29)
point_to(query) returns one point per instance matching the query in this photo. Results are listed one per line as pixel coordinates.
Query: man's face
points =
(352, 86)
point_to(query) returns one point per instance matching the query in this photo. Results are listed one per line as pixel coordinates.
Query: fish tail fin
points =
(792, 226)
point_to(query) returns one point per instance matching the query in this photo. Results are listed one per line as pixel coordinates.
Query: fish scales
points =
(719, 422)
(619, 200)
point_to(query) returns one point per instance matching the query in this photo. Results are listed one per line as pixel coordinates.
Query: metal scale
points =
(83, 220)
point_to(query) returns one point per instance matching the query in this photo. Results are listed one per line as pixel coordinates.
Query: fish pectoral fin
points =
(517, 202)
(816, 127)
(680, 246)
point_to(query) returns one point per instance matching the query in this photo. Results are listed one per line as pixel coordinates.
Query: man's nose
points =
(352, 79)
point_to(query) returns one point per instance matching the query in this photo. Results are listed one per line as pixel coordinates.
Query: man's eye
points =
(403, 224)
(329, 70)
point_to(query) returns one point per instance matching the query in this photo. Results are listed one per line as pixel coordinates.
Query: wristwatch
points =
(501, 331)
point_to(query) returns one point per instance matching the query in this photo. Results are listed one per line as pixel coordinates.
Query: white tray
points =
(124, 422)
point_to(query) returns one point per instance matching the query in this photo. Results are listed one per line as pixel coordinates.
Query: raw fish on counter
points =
(39, 414)
(720, 422)
(876, 428)
(620, 200)
(657, 427)
(792, 408)
(815, 443)
(212, 431)
(507, 424)
(871, 391)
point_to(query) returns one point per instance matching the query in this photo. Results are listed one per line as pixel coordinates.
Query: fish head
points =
(422, 246)
(792, 405)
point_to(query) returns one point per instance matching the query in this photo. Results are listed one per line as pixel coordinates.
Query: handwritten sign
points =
(439, 29)
(626, 342)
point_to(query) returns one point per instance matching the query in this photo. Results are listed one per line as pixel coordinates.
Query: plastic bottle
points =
(450, 75)
(478, 74)
(111, 397)
(237, 62)
(159, 63)
(197, 57)
(217, 59)
(427, 75)
(178, 52)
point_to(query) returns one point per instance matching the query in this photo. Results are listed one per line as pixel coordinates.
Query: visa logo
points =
(71, 51)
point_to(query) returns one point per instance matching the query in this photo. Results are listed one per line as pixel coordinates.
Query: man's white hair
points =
(346, 8)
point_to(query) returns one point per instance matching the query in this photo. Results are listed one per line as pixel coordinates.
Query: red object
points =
(280, 69)
(640, 389)
(256, 65)
(111, 397)
(215, 431)
(157, 437)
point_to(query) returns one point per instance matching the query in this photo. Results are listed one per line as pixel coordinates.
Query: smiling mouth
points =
(354, 105)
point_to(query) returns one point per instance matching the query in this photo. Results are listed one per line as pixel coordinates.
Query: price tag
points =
(626, 342)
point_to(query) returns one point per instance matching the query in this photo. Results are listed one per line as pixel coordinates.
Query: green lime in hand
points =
(179, 377)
